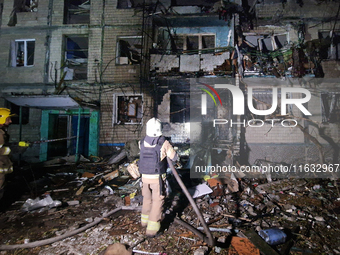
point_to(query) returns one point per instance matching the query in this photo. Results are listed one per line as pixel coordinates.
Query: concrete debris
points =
(201, 251)
(252, 208)
(115, 159)
(34, 204)
(117, 249)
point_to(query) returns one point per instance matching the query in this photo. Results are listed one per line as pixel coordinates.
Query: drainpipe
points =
(210, 239)
(48, 41)
(78, 132)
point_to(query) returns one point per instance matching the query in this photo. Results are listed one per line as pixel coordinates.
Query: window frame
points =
(327, 114)
(14, 52)
(79, 11)
(263, 40)
(118, 50)
(128, 4)
(333, 51)
(115, 115)
(70, 67)
(25, 7)
(200, 49)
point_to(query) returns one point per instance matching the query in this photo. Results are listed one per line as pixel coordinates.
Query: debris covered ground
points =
(63, 197)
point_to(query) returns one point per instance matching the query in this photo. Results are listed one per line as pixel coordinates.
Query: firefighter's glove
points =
(24, 144)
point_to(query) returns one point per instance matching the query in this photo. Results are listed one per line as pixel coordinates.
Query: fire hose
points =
(26, 144)
(209, 239)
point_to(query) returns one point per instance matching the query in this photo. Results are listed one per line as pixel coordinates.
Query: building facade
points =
(98, 70)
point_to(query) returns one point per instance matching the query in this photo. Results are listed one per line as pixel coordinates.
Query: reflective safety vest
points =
(150, 158)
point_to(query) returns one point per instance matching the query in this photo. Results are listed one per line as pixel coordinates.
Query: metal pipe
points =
(78, 132)
(192, 229)
(211, 240)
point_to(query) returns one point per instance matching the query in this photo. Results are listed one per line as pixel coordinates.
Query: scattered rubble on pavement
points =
(67, 197)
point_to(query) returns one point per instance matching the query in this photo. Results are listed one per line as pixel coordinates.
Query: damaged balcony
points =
(204, 60)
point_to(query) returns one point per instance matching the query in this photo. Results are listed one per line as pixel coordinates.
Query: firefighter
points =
(154, 150)
(6, 165)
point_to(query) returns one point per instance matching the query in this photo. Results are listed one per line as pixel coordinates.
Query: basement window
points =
(179, 108)
(15, 109)
(22, 52)
(25, 5)
(76, 55)
(129, 50)
(329, 44)
(128, 109)
(330, 107)
(77, 11)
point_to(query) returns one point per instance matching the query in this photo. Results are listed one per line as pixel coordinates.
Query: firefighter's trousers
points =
(153, 201)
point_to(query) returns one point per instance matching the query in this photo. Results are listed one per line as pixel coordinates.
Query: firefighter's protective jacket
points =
(154, 151)
(6, 166)
(152, 166)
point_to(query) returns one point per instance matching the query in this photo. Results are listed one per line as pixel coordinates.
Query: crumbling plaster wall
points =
(291, 8)
(195, 62)
(317, 16)
(178, 132)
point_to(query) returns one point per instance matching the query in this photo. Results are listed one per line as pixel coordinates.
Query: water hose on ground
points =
(61, 237)
(210, 239)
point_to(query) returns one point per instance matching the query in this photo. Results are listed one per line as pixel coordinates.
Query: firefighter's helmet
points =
(4, 114)
(154, 127)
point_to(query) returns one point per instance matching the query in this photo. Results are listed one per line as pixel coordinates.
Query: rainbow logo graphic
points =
(204, 98)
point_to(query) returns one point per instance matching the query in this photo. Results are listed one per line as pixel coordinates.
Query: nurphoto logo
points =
(239, 103)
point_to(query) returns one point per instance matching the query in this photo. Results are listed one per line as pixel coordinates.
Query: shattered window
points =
(128, 109)
(329, 44)
(15, 109)
(192, 43)
(179, 108)
(330, 107)
(25, 5)
(208, 41)
(129, 50)
(128, 4)
(22, 52)
(77, 11)
(76, 54)
(198, 42)
(267, 43)
(188, 43)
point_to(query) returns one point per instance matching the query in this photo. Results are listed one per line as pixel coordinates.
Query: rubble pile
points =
(245, 215)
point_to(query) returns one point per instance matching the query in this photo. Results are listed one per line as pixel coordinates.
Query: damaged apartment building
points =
(90, 73)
